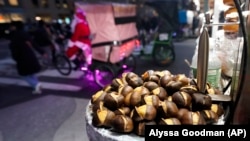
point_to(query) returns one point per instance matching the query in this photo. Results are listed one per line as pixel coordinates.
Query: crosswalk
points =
(49, 78)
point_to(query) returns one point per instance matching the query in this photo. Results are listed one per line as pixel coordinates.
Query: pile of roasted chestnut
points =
(156, 97)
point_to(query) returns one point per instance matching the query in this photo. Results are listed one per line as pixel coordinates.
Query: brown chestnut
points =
(140, 127)
(134, 81)
(98, 96)
(173, 86)
(189, 89)
(99, 105)
(108, 88)
(142, 90)
(163, 72)
(129, 75)
(209, 116)
(124, 90)
(151, 100)
(169, 98)
(160, 92)
(150, 76)
(164, 80)
(218, 109)
(193, 118)
(133, 99)
(169, 121)
(150, 85)
(201, 102)
(113, 100)
(181, 112)
(116, 83)
(182, 78)
(122, 124)
(182, 99)
(167, 109)
(123, 111)
(144, 112)
(103, 117)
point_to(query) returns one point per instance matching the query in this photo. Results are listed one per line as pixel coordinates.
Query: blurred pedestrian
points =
(44, 38)
(195, 23)
(22, 52)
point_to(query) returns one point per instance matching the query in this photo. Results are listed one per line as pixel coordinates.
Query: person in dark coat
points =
(26, 61)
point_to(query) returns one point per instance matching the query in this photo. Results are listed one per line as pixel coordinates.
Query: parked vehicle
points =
(115, 39)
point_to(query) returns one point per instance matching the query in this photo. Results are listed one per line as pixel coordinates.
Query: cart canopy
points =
(114, 26)
(110, 21)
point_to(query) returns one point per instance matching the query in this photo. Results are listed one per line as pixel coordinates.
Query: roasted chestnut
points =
(129, 75)
(201, 102)
(123, 111)
(160, 92)
(116, 83)
(99, 105)
(98, 96)
(134, 80)
(103, 118)
(151, 100)
(193, 118)
(144, 112)
(182, 78)
(163, 72)
(133, 99)
(124, 90)
(142, 90)
(150, 85)
(167, 109)
(150, 76)
(189, 89)
(182, 99)
(108, 88)
(122, 124)
(164, 80)
(113, 100)
(169, 121)
(140, 127)
(173, 86)
(181, 112)
(218, 109)
(209, 116)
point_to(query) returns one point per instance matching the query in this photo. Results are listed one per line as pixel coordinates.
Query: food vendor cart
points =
(234, 100)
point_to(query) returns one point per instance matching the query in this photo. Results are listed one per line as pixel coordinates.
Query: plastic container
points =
(214, 66)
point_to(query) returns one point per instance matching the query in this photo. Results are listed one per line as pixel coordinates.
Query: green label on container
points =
(213, 76)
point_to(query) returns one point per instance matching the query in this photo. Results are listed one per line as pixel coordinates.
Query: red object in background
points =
(80, 38)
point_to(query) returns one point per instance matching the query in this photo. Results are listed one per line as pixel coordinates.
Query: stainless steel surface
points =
(202, 64)
(221, 24)
(220, 98)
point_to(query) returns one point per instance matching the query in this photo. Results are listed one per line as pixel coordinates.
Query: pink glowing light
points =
(124, 66)
(84, 68)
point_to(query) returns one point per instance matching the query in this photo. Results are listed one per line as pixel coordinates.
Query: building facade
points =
(32, 10)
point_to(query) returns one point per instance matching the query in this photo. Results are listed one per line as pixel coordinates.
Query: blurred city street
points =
(58, 113)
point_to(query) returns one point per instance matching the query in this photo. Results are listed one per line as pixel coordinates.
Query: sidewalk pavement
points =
(44, 118)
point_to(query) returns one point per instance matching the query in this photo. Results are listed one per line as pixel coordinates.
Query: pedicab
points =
(115, 38)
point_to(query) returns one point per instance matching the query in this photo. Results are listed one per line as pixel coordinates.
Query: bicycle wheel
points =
(129, 63)
(103, 75)
(163, 55)
(63, 64)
